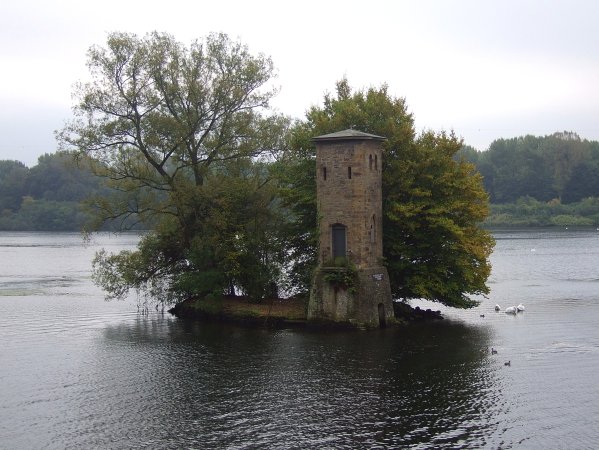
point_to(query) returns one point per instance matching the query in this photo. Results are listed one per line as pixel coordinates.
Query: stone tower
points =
(350, 284)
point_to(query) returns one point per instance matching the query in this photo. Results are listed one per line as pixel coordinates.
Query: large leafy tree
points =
(432, 203)
(433, 242)
(177, 131)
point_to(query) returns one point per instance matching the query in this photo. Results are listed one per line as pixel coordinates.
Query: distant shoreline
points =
(526, 212)
(530, 213)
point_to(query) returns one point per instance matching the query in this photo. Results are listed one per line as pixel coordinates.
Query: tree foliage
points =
(182, 137)
(13, 176)
(432, 204)
(59, 177)
(158, 116)
(178, 133)
(46, 197)
(433, 242)
(560, 166)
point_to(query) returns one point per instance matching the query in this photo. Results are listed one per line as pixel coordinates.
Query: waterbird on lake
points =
(508, 363)
(511, 310)
(520, 307)
(497, 307)
(482, 315)
(493, 351)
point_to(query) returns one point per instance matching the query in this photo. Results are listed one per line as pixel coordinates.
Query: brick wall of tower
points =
(355, 202)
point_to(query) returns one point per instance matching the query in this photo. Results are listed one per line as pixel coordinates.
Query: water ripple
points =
(77, 372)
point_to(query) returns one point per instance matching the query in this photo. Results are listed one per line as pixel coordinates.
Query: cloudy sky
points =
(484, 68)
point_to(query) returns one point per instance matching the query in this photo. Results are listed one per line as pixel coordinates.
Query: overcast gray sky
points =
(485, 69)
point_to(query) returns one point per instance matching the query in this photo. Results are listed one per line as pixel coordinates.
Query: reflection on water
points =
(199, 385)
(78, 372)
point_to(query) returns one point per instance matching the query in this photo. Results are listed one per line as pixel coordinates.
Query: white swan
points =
(511, 310)
(497, 307)
(520, 307)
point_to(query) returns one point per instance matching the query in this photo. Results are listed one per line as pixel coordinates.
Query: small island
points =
(350, 209)
(350, 288)
(280, 313)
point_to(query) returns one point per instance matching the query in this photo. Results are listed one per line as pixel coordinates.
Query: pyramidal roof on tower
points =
(349, 134)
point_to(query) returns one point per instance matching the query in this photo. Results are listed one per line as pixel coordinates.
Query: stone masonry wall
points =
(349, 193)
(355, 202)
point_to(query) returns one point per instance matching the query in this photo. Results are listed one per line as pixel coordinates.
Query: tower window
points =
(339, 240)
(372, 231)
(349, 172)
(370, 162)
(376, 162)
(324, 173)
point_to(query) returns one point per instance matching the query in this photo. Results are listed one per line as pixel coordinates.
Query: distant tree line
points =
(540, 180)
(531, 181)
(560, 167)
(46, 197)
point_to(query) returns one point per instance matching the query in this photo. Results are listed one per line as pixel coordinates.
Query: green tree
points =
(44, 215)
(468, 153)
(433, 242)
(544, 168)
(514, 168)
(432, 203)
(295, 175)
(564, 151)
(167, 125)
(583, 183)
(13, 178)
(58, 177)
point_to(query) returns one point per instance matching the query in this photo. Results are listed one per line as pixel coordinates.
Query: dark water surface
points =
(78, 372)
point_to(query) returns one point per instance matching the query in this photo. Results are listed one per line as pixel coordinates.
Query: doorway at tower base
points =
(358, 297)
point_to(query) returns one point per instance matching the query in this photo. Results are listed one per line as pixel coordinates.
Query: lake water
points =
(79, 372)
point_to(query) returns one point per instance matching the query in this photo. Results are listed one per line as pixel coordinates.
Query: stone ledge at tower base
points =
(365, 304)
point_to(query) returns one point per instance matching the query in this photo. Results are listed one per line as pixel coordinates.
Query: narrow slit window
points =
(376, 162)
(324, 173)
(370, 162)
(372, 230)
(349, 172)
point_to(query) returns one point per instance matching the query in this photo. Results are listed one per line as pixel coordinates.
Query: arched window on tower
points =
(370, 162)
(376, 162)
